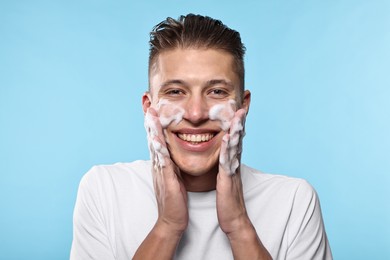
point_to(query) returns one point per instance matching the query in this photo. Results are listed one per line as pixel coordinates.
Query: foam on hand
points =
(154, 124)
(156, 149)
(230, 121)
(231, 146)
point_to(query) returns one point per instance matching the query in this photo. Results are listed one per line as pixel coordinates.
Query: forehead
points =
(194, 66)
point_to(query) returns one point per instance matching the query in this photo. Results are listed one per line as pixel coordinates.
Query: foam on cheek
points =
(169, 113)
(223, 113)
(156, 149)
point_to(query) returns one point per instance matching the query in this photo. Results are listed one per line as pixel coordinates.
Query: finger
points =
(168, 171)
(231, 145)
(156, 140)
(237, 133)
(224, 160)
(153, 117)
(238, 122)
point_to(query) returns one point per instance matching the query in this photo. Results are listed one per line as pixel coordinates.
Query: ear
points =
(146, 101)
(246, 101)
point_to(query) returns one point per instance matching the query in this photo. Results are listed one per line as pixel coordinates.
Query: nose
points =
(196, 110)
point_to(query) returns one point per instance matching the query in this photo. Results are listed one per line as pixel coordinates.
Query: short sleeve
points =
(306, 232)
(90, 240)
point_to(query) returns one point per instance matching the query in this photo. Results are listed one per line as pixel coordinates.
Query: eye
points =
(218, 93)
(174, 92)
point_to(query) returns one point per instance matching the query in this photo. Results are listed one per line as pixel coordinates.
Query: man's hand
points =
(170, 192)
(232, 216)
(230, 200)
(171, 197)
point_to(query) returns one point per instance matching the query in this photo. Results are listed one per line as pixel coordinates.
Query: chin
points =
(197, 167)
(195, 159)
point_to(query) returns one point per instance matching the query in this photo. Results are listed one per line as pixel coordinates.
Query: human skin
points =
(191, 79)
(196, 80)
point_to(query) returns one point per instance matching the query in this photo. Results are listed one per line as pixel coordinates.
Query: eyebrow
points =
(173, 82)
(208, 83)
(219, 81)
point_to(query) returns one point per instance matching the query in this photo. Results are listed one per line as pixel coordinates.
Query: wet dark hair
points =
(196, 31)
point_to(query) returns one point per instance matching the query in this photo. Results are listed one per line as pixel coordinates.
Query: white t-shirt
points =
(116, 208)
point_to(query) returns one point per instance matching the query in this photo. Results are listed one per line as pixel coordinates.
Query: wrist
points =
(247, 238)
(169, 230)
(244, 231)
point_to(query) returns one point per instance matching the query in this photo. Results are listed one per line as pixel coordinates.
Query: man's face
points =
(184, 85)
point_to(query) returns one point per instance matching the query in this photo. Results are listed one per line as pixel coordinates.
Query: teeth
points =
(196, 138)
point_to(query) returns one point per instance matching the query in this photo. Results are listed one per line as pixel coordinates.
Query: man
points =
(194, 199)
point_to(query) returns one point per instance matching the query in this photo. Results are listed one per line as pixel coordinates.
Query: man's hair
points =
(196, 31)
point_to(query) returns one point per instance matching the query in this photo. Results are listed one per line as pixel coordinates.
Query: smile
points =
(196, 138)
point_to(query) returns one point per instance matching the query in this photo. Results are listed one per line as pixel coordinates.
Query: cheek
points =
(223, 113)
(169, 113)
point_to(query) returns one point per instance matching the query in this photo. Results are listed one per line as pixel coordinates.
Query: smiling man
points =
(195, 199)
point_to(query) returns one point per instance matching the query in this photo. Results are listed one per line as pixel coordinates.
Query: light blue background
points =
(71, 78)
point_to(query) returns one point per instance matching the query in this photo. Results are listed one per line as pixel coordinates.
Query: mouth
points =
(196, 138)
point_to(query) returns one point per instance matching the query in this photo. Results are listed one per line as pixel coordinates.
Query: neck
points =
(200, 183)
